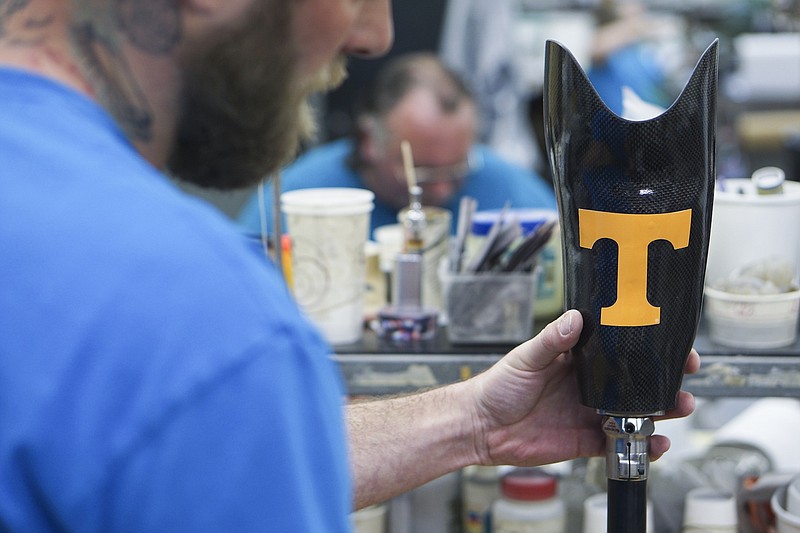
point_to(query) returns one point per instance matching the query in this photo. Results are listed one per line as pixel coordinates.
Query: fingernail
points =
(565, 324)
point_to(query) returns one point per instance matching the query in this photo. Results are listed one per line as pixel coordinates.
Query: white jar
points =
(370, 519)
(529, 503)
(480, 488)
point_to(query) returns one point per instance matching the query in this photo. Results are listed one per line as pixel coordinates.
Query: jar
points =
(529, 503)
(370, 519)
(480, 488)
(429, 508)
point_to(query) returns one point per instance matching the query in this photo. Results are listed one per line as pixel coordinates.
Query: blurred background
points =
(649, 45)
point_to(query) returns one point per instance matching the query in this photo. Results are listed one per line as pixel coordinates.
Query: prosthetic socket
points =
(635, 202)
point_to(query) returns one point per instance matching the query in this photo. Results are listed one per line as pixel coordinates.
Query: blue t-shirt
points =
(155, 374)
(493, 182)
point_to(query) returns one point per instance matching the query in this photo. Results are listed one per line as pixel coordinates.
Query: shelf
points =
(375, 367)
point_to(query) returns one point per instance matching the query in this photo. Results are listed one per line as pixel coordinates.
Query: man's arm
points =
(524, 410)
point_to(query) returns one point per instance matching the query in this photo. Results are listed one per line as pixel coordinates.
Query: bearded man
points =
(155, 375)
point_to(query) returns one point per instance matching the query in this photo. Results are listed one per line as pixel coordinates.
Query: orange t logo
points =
(633, 234)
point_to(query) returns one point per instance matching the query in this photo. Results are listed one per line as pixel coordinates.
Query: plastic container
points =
(550, 285)
(748, 227)
(489, 308)
(757, 321)
(786, 522)
(709, 509)
(529, 503)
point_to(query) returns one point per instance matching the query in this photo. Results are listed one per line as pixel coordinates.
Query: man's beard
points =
(244, 112)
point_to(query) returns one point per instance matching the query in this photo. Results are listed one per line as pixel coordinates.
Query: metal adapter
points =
(627, 446)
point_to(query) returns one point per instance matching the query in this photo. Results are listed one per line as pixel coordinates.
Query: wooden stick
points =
(408, 164)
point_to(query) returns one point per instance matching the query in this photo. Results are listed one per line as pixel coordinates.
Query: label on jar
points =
(552, 525)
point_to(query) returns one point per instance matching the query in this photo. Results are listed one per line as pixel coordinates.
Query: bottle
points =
(529, 503)
(414, 224)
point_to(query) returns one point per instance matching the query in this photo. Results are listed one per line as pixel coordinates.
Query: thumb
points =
(557, 337)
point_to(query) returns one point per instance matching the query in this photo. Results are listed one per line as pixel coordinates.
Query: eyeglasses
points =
(448, 173)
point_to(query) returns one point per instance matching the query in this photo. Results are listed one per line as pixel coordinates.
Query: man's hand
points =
(528, 405)
(524, 410)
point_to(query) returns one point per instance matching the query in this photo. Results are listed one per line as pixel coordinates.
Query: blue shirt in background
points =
(493, 182)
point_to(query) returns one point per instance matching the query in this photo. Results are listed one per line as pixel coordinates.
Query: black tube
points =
(627, 506)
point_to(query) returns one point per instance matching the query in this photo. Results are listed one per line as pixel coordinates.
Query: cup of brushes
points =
(490, 296)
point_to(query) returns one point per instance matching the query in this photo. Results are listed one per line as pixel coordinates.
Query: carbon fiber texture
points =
(602, 162)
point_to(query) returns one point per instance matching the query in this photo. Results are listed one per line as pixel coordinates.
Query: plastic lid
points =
(769, 180)
(528, 485)
(327, 201)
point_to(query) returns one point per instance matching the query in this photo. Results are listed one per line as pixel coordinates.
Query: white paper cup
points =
(708, 509)
(786, 522)
(328, 228)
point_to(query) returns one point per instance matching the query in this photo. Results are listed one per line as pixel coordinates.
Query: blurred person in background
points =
(621, 57)
(414, 98)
